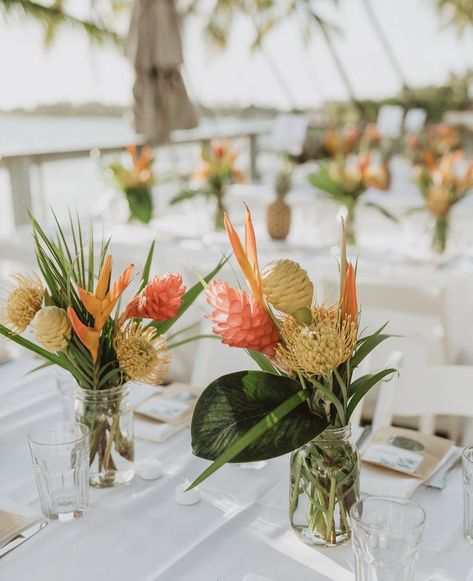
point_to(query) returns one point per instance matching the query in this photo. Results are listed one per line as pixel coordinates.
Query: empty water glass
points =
(60, 454)
(66, 385)
(387, 533)
(467, 469)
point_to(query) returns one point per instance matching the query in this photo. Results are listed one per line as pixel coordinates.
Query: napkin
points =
(396, 481)
(14, 519)
(161, 415)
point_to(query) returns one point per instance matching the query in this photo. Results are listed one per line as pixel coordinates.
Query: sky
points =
(72, 70)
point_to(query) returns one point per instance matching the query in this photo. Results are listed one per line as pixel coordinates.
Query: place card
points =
(406, 451)
(173, 405)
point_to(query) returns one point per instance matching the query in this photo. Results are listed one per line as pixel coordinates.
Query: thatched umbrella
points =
(161, 103)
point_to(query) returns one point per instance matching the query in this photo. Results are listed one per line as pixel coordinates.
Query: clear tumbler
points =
(386, 534)
(60, 454)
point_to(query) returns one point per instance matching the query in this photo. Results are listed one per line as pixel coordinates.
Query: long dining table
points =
(139, 532)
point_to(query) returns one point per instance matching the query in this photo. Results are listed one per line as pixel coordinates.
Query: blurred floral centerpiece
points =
(74, 314)
(217, 172)
(431, 144)
(443, 184)
(346, 179)
(135, 179)
(302, 399)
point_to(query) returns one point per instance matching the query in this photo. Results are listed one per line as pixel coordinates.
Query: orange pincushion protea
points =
(240, 320)
(160, 300)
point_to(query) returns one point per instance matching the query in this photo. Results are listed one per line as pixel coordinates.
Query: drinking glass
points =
(387, 534)
(66, 385)
(60, 454)
(467, 469)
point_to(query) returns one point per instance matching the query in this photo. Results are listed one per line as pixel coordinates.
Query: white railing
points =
(19, 162)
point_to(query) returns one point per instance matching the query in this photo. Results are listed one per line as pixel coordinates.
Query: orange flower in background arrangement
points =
(100, 305)
(160, 300)
(340, 142)
(219, 164)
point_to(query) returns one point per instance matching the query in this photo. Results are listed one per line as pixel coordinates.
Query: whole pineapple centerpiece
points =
(278, 216)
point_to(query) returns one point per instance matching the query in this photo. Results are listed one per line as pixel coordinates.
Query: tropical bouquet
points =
(135, 179)
(217, 172)
(302, 399)
(74, 315)
(346, 179)
(341, 142)
(430, 145)
(443, 184)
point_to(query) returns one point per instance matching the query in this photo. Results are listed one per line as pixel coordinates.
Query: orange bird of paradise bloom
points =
(348, 297)
(100, 305)
(247, 258)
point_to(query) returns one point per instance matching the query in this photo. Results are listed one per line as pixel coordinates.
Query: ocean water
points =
(76, 184)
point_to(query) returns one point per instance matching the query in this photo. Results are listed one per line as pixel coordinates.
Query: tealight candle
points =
(187, 497)
(150, 469)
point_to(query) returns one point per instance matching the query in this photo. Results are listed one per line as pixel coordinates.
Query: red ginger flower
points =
(159, 300)
(240, 320)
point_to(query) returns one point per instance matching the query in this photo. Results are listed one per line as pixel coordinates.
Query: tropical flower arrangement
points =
(78, 324)
(432, 144)
(302, 399)
(217, 172)
(345, 179)
(341, 142)
(136, 179)
(443, 184)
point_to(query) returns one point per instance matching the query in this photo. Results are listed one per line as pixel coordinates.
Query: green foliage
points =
(251, 415)
(140, 203)
(51, 16)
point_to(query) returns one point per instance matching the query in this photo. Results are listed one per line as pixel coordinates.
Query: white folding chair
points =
(431, 390)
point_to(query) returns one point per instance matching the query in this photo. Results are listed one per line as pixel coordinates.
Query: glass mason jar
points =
(324, 485)
(109, 416)
(440, 228)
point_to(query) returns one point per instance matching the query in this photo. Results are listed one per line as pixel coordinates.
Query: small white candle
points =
(187, 497)
(150, 469)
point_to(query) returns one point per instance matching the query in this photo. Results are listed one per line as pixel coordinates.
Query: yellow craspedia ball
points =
(287, 286)
(24, 299)
(52, 328)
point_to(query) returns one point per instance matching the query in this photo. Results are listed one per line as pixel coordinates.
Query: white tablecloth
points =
(139, 533)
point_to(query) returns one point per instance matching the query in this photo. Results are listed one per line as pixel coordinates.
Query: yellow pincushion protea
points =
(287, 286)
(52, 328)
(24, 299)
(141, 355)
(318, 348)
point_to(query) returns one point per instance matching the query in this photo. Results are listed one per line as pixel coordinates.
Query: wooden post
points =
(20, 184)
(254, 175)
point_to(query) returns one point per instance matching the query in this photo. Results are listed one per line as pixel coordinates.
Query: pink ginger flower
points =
(240, 320)
(159, 300)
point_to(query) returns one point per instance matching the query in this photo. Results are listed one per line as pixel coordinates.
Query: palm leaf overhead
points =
(459, 13)
(54, 15)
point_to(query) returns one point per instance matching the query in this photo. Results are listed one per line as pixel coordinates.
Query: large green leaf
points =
(234, 404)
(140, 203)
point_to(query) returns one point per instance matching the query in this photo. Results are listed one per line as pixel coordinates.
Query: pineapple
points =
(278, 214)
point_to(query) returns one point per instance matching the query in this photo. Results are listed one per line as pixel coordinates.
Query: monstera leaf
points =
(249, 416)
